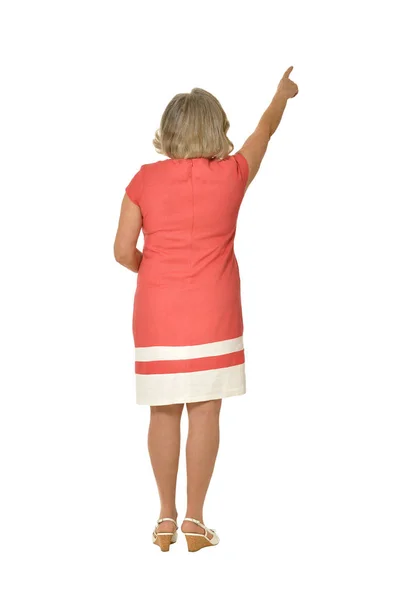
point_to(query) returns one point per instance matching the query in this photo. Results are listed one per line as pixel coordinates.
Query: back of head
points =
(193, 125)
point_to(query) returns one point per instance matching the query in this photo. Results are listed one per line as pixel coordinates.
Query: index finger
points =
(287, 73)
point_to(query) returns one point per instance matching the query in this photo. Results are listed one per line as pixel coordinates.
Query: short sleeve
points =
(243, 168)
(135, 188)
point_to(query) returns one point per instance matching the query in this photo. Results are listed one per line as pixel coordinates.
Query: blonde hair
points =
(193, 125)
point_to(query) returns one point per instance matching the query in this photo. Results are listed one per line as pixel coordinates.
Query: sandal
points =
(196, 541)
(164, 540)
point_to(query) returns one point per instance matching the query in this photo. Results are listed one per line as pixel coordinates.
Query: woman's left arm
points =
(129, 227)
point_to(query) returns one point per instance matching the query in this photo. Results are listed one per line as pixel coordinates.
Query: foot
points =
(167, 526)
(190, 527)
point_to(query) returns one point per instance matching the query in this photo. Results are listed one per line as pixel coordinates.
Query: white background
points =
(305, 493)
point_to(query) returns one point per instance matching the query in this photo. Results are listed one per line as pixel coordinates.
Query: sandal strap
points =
(196, 522)
(155, 532)
(166, 519)
(200, 525)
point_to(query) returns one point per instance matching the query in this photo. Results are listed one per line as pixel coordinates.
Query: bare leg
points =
(201, 451)
(164, 449)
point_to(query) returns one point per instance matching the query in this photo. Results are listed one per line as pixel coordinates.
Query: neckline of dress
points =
(194, 158)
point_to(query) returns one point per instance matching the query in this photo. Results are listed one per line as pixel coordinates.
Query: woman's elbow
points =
(124, 259)
(119, 254)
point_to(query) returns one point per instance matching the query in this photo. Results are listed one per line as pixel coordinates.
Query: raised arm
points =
(255, 146)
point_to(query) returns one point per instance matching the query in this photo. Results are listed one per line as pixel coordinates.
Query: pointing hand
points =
(286, 87)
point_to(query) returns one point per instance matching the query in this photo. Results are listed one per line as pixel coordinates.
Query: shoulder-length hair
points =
(193, 125)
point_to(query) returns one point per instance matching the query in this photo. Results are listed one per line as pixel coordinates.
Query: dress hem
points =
(234, 392)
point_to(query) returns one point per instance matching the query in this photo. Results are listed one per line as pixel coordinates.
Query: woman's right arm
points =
(255, 147)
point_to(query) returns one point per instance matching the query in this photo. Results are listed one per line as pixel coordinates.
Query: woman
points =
(187, 318)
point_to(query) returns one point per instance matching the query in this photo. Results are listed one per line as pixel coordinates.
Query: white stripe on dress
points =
(150, 353)
(177, 388)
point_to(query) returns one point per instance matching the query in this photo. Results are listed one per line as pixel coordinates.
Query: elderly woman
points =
(187, 315)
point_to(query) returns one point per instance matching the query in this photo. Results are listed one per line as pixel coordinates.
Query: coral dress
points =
(187, 315)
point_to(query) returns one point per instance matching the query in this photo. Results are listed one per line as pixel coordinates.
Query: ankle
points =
(166, 512)
(195, 513)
